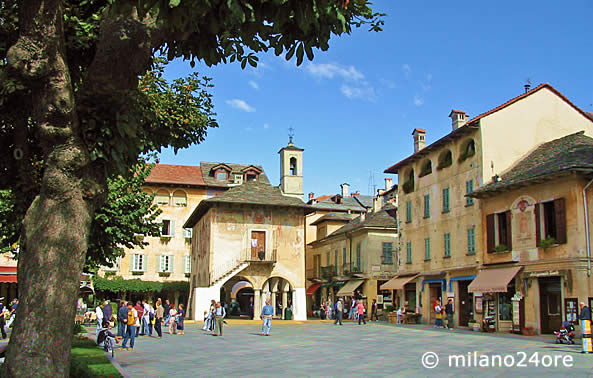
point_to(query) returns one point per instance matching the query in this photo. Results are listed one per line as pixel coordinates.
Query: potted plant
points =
(501, 248)
(528, 331)
(547, 243)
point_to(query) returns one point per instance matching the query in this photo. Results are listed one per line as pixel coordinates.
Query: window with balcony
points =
(498, 232)
(550, 223)
(445, 160)
(468, 149)
(426, 169)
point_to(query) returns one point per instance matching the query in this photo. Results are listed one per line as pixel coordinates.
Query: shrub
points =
(88, 360)
(78, 329)
(501, 248)
(547, 242)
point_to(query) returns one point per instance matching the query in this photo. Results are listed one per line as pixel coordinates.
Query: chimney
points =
(419, 139)
(311, 195)
(363, 217)
(458, 118)
(377, 204)
(345, 190)
(388, 183)
(527, 87)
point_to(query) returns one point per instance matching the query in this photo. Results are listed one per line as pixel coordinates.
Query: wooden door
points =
(550, 304)
(258, 244)
(465, 303)
(435, 294)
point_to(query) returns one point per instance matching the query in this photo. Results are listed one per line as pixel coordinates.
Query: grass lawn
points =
(87, 360)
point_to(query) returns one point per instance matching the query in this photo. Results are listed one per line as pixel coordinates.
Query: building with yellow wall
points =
(536, 256)
(441, 245)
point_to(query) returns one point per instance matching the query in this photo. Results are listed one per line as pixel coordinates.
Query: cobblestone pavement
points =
(322, 349)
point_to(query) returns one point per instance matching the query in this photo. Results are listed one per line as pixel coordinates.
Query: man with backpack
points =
(133, 323)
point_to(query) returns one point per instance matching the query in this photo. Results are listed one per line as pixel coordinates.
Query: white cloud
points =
(329, 71)
(241, 105)
(407, 69)
(418, 101)
(253, 84)
(266, 126)
(364, 92)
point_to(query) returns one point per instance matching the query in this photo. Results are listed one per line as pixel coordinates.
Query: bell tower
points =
(291, 169)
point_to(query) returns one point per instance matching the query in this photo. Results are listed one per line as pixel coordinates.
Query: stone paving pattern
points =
(322, 349)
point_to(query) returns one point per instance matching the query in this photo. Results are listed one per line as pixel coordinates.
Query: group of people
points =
(214, 318)
(140, 320)
(443, 311)
(356, 310)
(7, 314)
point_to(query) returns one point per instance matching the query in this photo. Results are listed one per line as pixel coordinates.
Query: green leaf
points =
(174, 3)
(299, 54)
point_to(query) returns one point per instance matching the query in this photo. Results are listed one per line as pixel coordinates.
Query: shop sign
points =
(476, 294)
(450, 295)
(546, 273)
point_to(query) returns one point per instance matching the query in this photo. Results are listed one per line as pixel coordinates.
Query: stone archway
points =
(280, 292)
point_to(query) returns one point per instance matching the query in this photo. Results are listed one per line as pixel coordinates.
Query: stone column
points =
(274, 301)
(257, 304)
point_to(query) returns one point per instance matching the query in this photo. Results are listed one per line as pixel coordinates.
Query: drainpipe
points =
(587, 235)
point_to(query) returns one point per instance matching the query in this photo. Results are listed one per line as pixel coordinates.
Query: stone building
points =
(249, 243)
(355, 255)
(536, 251)
(442, 246)
(178, 190)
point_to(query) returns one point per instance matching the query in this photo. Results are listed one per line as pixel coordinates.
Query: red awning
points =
(313, 288)
(7, 274)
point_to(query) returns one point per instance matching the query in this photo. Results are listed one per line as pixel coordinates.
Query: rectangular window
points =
(138, 263)
(358, 257)
(258, 245)
(387, 256)
(187, 233)
(550, 222)
(446, 200)
(409, 211)
(469, 187)
(426, 249)
(447, 240)
(471, 241)
(166, 264)
(168, 228)
(409, 252)
(187, 264)
(427, 206)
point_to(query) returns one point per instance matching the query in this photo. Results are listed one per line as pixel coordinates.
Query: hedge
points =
(120, 285)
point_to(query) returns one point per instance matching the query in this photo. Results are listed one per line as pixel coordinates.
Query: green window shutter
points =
(427, 206)
(408, 211)
(471, 241)
(445, 199)
(409, 252)
(469, 187)
(161, 263)
(427, 249)
(172, 228)
(447, 245)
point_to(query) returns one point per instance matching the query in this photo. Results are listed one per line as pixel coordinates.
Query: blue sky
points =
(354, 107)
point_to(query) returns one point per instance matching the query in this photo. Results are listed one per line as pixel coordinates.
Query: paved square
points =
(322, 349)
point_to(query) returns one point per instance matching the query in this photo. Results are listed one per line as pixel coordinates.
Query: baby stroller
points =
(565, 334)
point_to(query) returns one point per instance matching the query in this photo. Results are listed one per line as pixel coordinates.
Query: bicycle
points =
(109, 345)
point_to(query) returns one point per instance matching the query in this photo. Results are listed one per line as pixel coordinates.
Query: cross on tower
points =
(290, 134)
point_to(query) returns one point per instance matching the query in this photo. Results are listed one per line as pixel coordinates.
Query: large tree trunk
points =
(57, 224)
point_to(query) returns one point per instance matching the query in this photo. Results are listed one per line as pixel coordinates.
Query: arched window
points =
(162, 198)
(179, 198)
(468, 149)
(409, 183)
(293, 166)
(445, 159)
(426, 169)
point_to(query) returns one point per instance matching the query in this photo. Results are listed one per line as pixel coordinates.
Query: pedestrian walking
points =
(145, 318)
(449, 312)
(99, 315)
(353, 310)
(330, 309)
(339, 311)
(107, 311)
(122, 316)
(438, 316)
(172, 323)
(209, 317)
(133, 322)
(140, 310)
(13, 306)
(219, 315)
(251, 308)
(360, 311)
(266, 315)
(400, 313)
(167, 308)
(374, 310)
(180, 318)
(158, 318)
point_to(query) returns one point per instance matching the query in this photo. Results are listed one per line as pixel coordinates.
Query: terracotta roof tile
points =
(176, 174)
